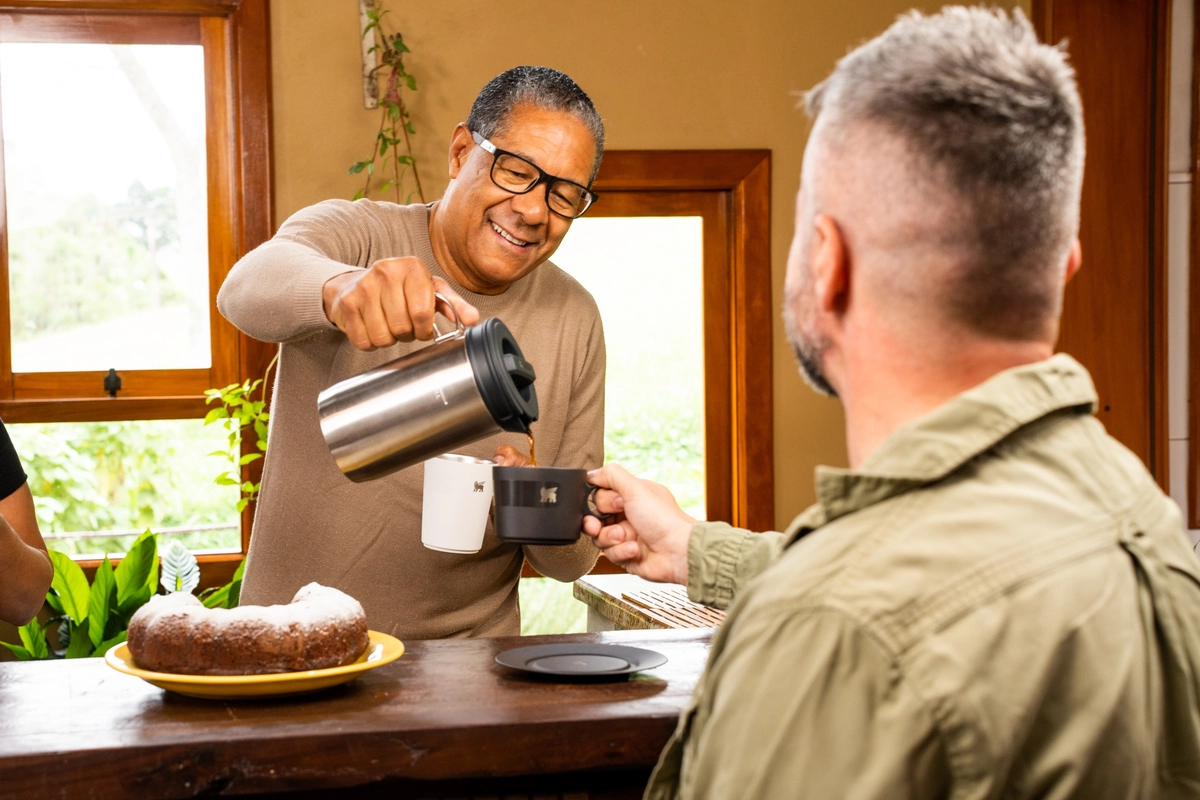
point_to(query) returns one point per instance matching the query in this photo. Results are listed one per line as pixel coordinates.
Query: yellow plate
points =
(383, 649)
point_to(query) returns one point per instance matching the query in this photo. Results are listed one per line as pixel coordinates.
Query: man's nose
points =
(531, 206)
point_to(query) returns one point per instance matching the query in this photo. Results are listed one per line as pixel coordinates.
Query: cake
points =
(320, 628)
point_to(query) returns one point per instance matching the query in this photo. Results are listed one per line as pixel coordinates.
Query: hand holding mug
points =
(649, 537)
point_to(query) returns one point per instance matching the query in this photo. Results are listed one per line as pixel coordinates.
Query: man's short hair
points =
(979, 102)
(541, 87)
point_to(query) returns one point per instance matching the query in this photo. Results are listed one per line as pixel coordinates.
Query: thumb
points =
(619, 479)
(467, 313)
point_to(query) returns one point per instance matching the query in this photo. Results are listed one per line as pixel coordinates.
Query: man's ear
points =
(1074, 261)
(830, 265)
(460, 147)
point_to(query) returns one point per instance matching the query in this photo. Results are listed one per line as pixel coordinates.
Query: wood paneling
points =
(1114, 318)
(140, 7)
(134, 383)
(102, 409)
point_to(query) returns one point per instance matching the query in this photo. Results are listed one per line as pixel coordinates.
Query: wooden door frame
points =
(1097, 29)
(739, 404)
(743, 178)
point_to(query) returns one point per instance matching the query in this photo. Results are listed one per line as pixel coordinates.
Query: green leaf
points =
(216, 598)
(261, 444)
(411, 81)
(246, 459)
(215, 414)
(358, 195)
(107, 644)
(225, 480)
(358, 167)
(399, 46)
(71, 585)
(180, 572)
(406, 159)
(33, 636)
(133, 574)
(408, 126)
(80, 645)
(101, 601)
(249, 487)
(55, 603)
(20, 652)
(241, 504)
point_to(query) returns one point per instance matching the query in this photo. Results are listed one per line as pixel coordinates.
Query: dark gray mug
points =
(542, 505)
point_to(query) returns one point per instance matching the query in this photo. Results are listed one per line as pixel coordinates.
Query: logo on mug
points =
(478, 487)
(550, 494)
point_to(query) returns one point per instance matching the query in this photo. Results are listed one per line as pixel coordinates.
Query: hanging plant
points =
(392, 146)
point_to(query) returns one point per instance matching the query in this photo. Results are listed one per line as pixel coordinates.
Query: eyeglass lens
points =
(517, 175)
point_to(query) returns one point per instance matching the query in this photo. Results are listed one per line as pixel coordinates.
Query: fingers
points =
(509, 456)
(391, 302)
(608, 502)
(624, 555)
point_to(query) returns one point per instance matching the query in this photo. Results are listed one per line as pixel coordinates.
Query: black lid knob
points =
(503, 376)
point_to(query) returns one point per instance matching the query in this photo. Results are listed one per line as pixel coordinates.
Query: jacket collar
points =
(931, 447)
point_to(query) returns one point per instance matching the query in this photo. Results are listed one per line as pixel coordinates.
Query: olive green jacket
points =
(1000, 603)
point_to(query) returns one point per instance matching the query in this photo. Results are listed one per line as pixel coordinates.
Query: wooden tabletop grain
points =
(444, 711)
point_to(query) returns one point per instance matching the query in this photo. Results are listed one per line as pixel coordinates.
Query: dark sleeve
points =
(12, 474)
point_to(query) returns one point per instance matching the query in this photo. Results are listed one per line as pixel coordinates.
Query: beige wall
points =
(665, 74)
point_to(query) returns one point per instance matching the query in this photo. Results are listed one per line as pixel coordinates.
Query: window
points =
(704, 425)
(123, 209)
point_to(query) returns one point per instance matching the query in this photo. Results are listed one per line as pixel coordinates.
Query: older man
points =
(345, 287)
(995, 600)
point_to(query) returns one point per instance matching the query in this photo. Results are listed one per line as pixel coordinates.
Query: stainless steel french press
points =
(470, 383)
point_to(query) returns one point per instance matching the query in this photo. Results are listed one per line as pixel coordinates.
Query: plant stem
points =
(374, 150)
(408, 146)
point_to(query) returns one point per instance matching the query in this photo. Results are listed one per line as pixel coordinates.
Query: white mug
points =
(456, 501)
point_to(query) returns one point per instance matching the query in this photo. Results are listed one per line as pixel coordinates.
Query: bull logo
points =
(478, 487)
(550, 494)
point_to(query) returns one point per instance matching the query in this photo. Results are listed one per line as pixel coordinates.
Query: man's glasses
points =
(514, 174)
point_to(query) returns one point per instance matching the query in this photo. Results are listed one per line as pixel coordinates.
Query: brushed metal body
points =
(421, 405)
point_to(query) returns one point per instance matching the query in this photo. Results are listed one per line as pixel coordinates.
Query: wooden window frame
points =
(731, 190)
(240, 212)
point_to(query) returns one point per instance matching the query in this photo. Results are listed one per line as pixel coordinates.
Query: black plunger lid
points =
(503, 376)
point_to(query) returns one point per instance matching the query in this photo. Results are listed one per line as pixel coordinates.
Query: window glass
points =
(647, 275)
(105, 173)
(97, 485)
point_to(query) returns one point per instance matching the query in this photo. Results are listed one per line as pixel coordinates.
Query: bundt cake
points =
(320, 628)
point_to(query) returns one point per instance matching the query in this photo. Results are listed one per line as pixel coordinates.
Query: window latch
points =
(112, 383)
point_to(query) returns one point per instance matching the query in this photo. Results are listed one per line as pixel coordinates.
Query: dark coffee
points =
(542, 505)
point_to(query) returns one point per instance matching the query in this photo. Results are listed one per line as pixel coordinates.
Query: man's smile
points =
(508, 237)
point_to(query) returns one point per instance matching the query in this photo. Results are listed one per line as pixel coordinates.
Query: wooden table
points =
(443, 721)
(627, 602)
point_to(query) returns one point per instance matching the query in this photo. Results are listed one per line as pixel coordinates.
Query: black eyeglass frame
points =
(543, 177)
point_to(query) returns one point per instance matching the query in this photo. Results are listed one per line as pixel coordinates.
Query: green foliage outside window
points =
(100, 260)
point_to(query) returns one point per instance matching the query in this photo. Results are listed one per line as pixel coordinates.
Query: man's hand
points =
(509, 456)
(650, 536)
(390, 302)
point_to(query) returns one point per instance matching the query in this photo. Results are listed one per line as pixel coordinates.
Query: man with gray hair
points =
(345, 287)
(995, 599)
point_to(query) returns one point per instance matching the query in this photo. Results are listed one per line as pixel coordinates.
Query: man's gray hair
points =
(540, 87)
(979, 102)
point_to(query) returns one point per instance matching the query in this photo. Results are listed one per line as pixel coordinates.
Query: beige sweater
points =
(313, 523)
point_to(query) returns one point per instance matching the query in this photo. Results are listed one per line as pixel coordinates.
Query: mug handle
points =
(591, 510)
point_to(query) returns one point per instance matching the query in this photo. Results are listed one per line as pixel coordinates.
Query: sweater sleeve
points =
(274, 292)
(583, 444)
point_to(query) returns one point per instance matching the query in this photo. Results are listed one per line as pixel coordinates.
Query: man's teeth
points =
(506, 235)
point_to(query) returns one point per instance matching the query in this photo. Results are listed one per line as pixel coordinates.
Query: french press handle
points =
(459, 330)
